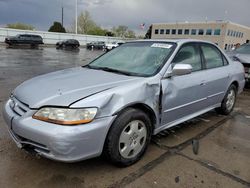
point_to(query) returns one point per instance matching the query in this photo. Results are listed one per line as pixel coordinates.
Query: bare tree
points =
(85, 23)
(123, 31)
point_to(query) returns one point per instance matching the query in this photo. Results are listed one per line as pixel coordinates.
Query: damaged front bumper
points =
(57, 142)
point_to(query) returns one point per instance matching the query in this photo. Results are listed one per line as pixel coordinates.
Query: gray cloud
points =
(108, 13)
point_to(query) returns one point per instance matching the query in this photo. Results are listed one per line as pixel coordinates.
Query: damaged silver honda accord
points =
(113, 105)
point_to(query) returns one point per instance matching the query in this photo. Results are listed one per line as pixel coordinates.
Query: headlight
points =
(66, 116)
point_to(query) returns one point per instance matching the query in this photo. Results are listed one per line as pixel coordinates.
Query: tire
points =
(247, 85)
(228, 102)
(128, 138)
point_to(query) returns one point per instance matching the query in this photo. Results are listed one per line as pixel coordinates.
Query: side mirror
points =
(179, 69)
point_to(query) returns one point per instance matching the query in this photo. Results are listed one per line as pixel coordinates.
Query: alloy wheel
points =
(132, 139)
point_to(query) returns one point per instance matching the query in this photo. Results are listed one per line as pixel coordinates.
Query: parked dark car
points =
(70, 43)
(242, 54)
(29, 39)
(96, 45)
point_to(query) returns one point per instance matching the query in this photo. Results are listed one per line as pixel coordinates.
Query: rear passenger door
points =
(216, 77)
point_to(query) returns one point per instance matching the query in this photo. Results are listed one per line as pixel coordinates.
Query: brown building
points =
(224, 33)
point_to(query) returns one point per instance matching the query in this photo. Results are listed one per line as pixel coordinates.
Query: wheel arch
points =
(144, 108)
(236, 84)
(138, 106)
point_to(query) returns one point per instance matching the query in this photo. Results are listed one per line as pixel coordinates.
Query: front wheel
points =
(228, 102)
(128, 137)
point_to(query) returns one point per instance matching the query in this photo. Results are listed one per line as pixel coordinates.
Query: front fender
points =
(109, 102)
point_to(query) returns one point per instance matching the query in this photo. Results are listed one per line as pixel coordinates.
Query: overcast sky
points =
(109, 13)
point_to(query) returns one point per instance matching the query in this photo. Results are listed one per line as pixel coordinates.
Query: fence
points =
(53, 38)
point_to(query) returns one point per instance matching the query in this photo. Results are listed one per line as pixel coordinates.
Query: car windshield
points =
(135, 58)
(245, 49)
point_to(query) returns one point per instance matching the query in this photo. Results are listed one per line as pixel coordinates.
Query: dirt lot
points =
(223, 158)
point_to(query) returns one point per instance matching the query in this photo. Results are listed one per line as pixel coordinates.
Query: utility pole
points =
(62, 12)
(76, 17)
(62, 15)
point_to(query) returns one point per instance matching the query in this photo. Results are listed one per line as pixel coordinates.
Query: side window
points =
(189, 54)
(212, 56)
(22, 37)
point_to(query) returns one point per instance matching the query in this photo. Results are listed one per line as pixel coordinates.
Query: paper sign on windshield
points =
(161, 45)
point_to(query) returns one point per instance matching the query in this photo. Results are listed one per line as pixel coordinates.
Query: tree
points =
(148, 34)
(140, 37)
(85, 23)
(130, 34)
(97, 31)
(20, 26)
(109, 34)
(57, 27)
(120, 31)
(123, 31)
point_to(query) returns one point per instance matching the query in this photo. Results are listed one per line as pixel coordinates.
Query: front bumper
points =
(57, 142)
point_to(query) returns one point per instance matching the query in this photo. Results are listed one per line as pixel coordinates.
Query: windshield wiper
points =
(87, 66)
(112, 70)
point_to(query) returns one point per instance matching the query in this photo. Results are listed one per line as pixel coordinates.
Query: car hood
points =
(62, 88)
(244, 58)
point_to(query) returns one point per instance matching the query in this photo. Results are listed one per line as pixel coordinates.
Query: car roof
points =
(32, 35)
(178, 41)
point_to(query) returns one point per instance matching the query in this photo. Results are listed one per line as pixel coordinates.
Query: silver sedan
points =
(114, 104)
(242, 55)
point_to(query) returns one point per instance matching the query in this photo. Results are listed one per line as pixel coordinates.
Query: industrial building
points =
(224, 33)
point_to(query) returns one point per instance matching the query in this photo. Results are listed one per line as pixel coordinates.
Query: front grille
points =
(18, 107)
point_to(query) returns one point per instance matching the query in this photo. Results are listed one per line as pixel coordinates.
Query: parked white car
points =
(113, 45)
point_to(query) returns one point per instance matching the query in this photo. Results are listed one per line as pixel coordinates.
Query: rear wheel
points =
(228, 102)
(128, 137)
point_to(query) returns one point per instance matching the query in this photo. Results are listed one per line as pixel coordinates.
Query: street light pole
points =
(76, 18)
(62, 11)
(62, 15)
